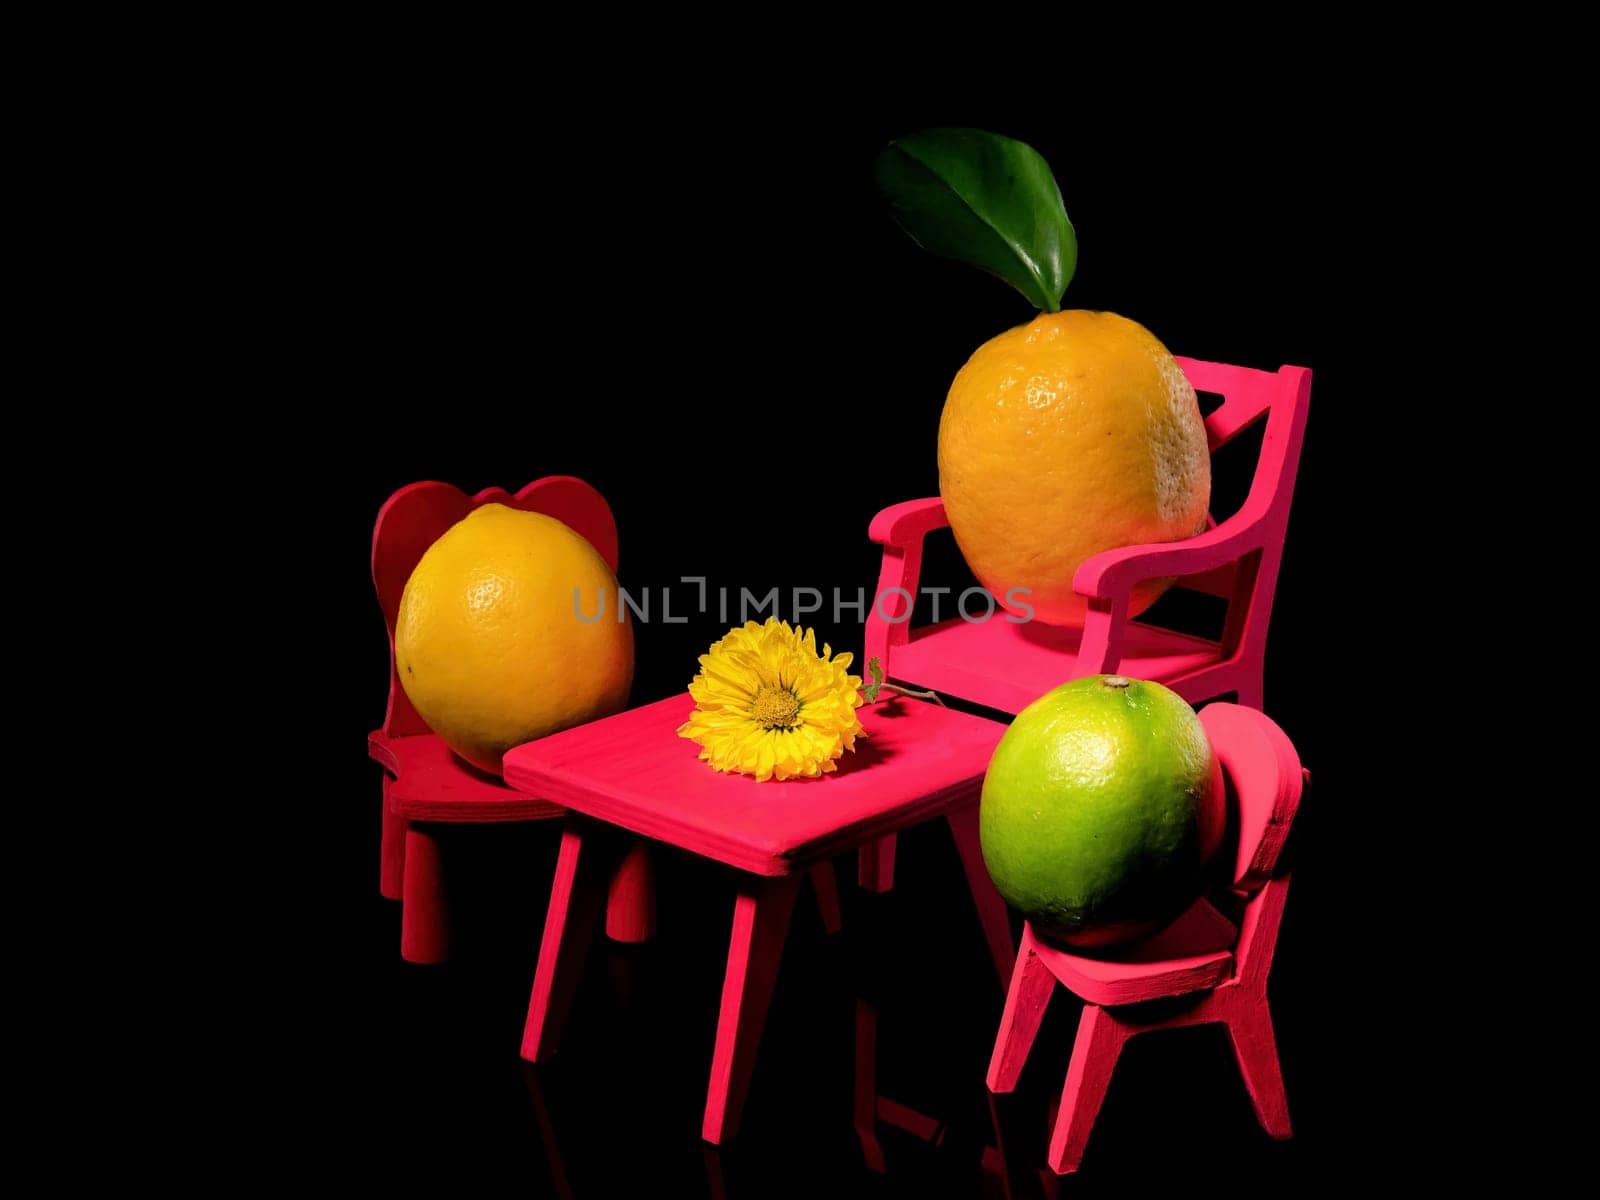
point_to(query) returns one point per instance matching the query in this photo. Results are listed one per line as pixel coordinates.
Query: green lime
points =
(1102, 806)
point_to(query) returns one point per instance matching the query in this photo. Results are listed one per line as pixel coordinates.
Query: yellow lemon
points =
(1073, 434)
(490, 645)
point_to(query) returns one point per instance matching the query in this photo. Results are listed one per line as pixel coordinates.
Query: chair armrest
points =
(1113, 572)
(907, 523)
(900, 530)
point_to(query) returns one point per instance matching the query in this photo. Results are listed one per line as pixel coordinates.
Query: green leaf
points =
(983, 199)
(875, 671)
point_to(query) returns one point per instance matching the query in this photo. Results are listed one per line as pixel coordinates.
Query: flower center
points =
(775, 708)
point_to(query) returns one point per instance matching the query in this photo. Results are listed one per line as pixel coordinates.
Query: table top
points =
(634, 771)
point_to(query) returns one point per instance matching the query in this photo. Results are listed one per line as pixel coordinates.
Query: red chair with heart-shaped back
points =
(1219, 960)
(425, 785)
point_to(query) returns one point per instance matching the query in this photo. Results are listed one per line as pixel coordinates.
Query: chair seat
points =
(433, 784)
(1007, 665)
(1191, 954)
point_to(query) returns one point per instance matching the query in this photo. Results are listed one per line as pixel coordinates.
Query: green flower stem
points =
(875, 673)
(895, 689)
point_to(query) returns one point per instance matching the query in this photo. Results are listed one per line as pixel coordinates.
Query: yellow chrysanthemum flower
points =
(766, 704)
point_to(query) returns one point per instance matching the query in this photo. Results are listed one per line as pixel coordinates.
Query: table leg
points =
(875, 871)
(827, 890)
(760, 924)
(576, 897)
(631, 902)
(992, 914)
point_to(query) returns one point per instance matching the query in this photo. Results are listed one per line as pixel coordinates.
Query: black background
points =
(726, 334)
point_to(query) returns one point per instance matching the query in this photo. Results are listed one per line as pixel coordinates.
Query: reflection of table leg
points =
(576, 895)
(877, 875)
(866, 1102)
(716, 1183)
(547, 1131)
(760, 924)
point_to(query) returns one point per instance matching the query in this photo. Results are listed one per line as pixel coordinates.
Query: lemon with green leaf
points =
(1072, 434)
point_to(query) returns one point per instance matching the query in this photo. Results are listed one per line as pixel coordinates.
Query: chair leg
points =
(1250, 1030)
(866, 1085)
(631, 901)
(992, 914)
(760, 923)
(576, 896)
(425, 915)
(875, 872)
(1031, 988)
(826, 886)
(392, 852)
(1094, 1057)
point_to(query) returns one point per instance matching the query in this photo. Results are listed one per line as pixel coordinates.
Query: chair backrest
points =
(1283, 398)
(1264, 769)
(1266, 778)
(413, 519)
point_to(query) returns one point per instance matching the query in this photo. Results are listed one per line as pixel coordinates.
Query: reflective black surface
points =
(432, 1052)
(748, 383)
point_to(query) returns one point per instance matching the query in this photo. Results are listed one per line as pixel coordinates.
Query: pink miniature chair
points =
(424, 783)
(1006, 665)
(1200, 954)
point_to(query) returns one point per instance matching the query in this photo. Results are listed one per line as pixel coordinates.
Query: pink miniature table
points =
(918, 762)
